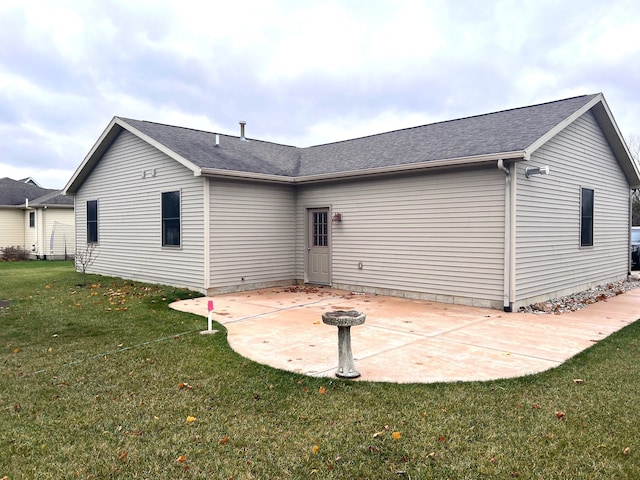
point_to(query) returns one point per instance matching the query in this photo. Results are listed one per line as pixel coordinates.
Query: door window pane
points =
(320, 229)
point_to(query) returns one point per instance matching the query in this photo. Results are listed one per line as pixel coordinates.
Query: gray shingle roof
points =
(14, 193)
(493, 133)
(198, 147)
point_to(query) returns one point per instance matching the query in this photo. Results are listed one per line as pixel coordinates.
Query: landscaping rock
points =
(576, 301)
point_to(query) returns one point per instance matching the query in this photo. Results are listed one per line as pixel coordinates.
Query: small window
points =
(32, 219)
(586, 217)
(320, 229)
(92, 221)
(171, 219)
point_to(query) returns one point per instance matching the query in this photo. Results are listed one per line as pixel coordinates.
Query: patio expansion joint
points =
(510, 352)
(283, 309)
(429, 335)
(442, 337)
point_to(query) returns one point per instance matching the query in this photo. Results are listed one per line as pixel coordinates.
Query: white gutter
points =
(259, 177)
(450, 162)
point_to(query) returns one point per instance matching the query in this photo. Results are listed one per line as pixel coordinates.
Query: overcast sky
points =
(299, 72)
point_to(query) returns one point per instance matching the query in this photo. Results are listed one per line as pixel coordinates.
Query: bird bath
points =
(344, 320)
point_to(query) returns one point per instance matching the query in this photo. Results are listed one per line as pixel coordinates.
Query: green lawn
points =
(105, 381)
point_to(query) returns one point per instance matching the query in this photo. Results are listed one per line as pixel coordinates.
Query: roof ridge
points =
(452, 120)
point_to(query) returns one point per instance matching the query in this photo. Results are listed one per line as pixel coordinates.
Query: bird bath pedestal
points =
(344, 320)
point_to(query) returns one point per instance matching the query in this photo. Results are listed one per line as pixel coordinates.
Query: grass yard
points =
(105, 381)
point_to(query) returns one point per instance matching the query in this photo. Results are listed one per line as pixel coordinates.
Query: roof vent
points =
(242, 125)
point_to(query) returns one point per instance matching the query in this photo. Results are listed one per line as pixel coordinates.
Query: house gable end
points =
(110, 134)
(598, 106)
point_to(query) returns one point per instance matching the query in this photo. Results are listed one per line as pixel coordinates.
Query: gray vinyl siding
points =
(436, 236)
(130, 218)
(550, 260)
(252, 235)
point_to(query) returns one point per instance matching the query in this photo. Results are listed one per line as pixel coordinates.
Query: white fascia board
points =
(115, 127)
(178, 158)
(88, 157)
(449, 162)
(259, 177)
(561, 126)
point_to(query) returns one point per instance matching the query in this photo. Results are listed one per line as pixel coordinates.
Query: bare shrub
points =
(14, 253)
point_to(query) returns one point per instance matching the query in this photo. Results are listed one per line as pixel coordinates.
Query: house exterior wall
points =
(130, 218)
(12, 227)
(434, 236)
(252, 235)
(33, 235)
(550, 260)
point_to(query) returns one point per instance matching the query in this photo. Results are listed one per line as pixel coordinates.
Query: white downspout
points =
(206, 208)
(508, 246)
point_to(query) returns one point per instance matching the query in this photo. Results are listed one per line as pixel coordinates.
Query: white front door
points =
(318, 251)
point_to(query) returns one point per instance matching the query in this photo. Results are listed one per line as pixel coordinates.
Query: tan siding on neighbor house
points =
(129, 215)
(12, 228)
(550, 260)
(436, 236)
(252, 235)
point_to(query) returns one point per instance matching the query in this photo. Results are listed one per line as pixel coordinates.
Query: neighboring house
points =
(444, 212)
(40, 220)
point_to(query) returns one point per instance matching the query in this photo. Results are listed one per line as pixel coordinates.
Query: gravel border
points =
(577, 301)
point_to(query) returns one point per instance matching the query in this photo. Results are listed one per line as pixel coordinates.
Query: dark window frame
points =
(171, 213)
(92, 221)
(587, 207)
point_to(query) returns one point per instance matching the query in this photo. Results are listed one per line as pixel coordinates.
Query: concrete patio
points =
(407, 340)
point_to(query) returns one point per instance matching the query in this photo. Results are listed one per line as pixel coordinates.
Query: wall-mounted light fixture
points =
(528, 171)
(336, 218)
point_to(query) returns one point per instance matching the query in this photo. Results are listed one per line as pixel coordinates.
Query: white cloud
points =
(300, 73)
